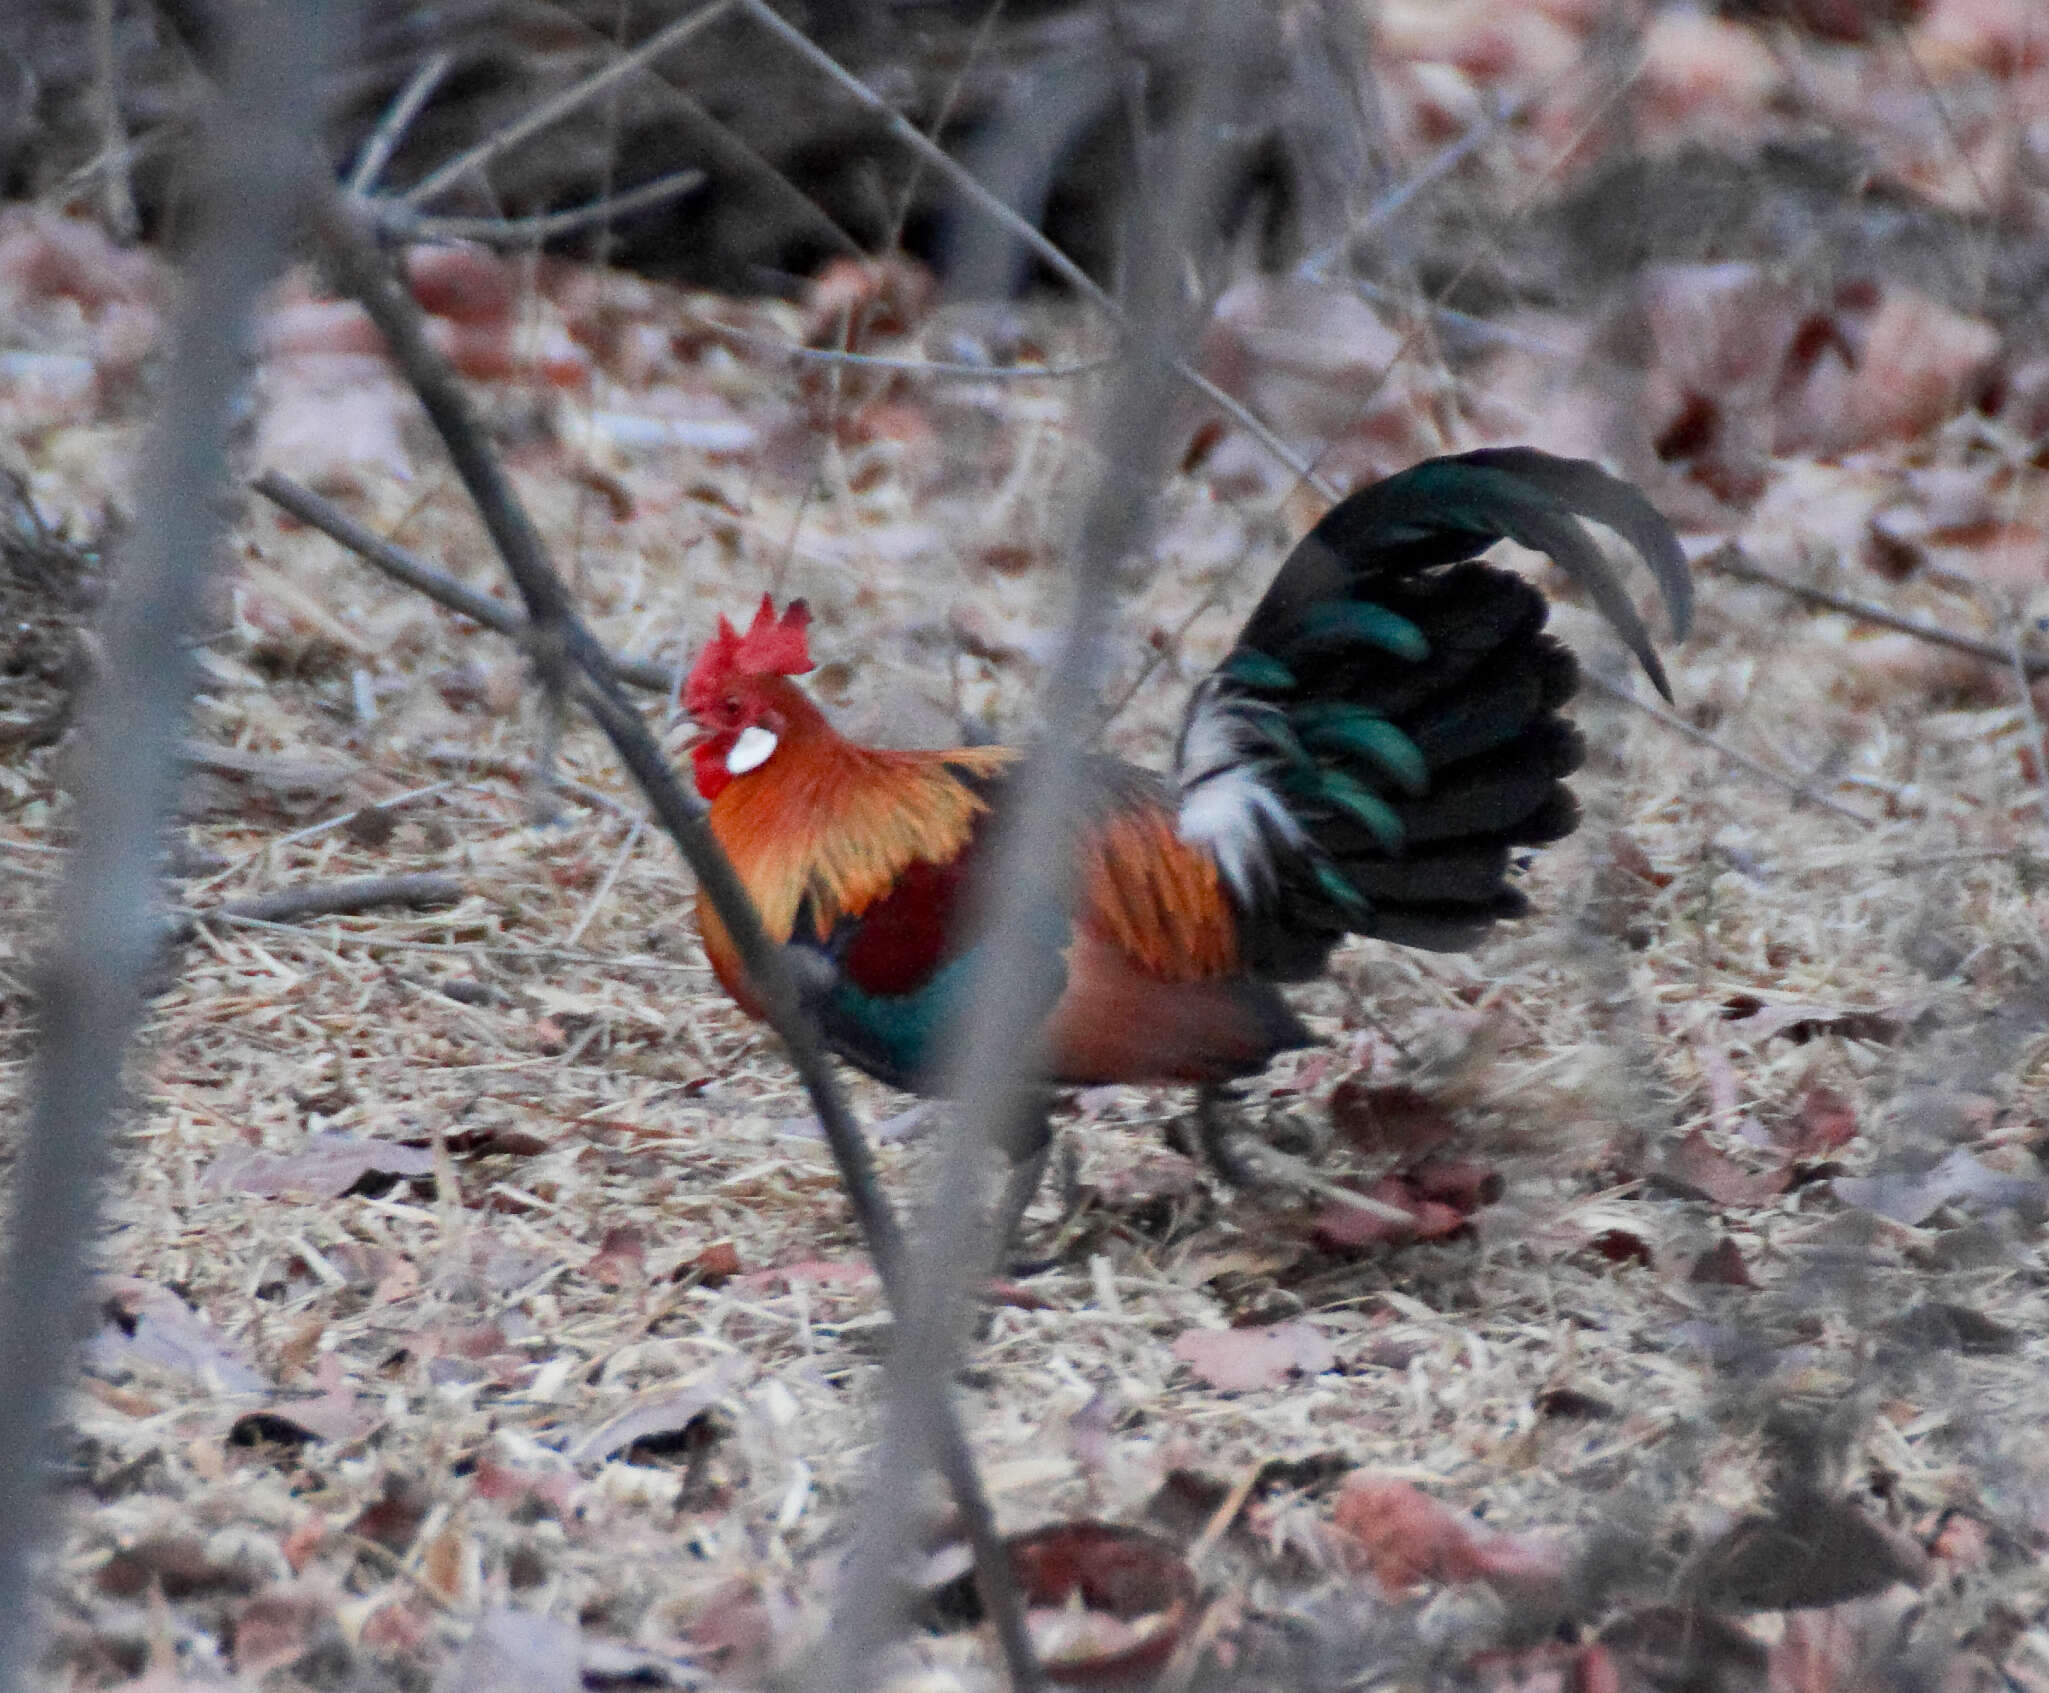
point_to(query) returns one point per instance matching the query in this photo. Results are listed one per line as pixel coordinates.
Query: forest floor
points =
(477, 1289)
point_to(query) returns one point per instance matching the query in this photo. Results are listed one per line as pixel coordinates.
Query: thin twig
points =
(977, 45)
(549, 111)
(399, 564)
(1224, 1515)
(1421, 319)
(603, 892)
(997, 1063)
(1425, 311)
(908, 367)
(1731, 560)
(1478, 328)
(2039, 741)
(311, 831)
(1800, 790)
(398, 118)
(407, 225)
(1283, 1169)
(323, 899)
(1405, 193)
(1315, 268)
(524, 956)
(117, 195)
(558, 639)
(282, 772)
(1212, 596)
(968, 184)
(106, 932)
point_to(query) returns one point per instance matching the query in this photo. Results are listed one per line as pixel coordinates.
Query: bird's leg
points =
(1206, 1137)
(1021, 1181)
(1020, 1188)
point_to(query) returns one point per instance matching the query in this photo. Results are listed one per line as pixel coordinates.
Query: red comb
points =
(772, 646)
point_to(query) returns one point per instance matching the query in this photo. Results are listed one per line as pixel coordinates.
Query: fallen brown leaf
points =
(715, 1264)
(1388, 1118)
(1918, 363)
(1338, 1227)
(668, 1410)
(279, 1626)
(325, 1167)
(739, 1624)
(1824, 1123)
(1696, 1169)
(1401, 1536)
(394, 1518)
(1237, 1360)
(1961, 1542)
(1465, 1184)
(1106, 1602)
(819, 1272)
(1813, 1550)
(621, 1257)
(461, 282)
(1913, 1197)
(178, 1565)
(1721, 1266)
(1623, 1246)
(150, 1328)
(1941, 1325)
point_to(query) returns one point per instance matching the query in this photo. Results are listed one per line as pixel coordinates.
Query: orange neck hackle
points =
(826, 827)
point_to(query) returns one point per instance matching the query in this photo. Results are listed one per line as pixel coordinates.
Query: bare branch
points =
(550, 111)
(1407, 192)
(117, 195)
(107, 927)
(998, 1068)
(402, 566)
(396, 220)
(391, 128)
(323, 899)
(1078, 279)
(1731, 560)
(1803, 791)
(2037, 739)
(937, 368)
(558, 640)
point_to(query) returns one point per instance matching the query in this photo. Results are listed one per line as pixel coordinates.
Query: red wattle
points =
(708, 758)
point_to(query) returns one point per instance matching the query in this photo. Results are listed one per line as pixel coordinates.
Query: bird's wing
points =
(1156, 898)
(1139, 888)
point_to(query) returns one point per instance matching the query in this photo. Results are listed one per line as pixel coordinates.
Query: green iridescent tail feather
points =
(1400, 702)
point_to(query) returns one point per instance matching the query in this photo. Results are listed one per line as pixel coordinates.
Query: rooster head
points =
(740, 697)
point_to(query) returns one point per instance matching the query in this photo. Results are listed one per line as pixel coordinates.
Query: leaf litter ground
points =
(483, 1259)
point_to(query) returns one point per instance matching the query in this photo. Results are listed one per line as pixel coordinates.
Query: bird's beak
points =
(683, 739)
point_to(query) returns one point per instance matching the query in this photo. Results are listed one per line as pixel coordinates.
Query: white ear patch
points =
(750, 750)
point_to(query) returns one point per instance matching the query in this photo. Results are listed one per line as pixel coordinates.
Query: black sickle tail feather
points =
(1387, 730)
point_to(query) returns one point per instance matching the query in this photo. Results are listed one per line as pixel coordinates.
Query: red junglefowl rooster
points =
(1383, 736)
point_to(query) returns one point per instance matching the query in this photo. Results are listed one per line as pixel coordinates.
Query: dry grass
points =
(353, 1419)
(475, 1326)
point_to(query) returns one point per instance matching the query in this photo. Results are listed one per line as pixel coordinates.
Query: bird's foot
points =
(1207, 1137)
